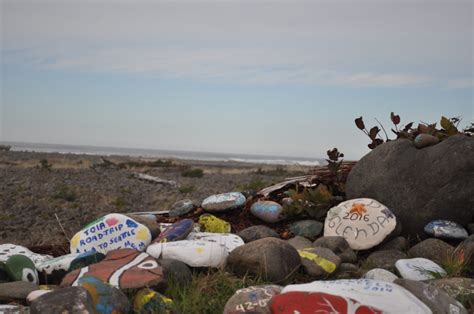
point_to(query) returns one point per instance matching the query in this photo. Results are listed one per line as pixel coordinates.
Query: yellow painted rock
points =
(149, 301)
(319, 262)
(210, 223)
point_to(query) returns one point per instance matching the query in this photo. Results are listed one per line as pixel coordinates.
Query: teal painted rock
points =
(268, 211)
(21, 268)
(111, 232)
(85, 259)
(106, 299)
(223, 202)
(67, 300)
(149, 301)
(309, 229)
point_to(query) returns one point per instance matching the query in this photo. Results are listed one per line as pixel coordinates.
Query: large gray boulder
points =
(419, 185)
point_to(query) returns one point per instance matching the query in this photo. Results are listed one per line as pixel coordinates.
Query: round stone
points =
(419, 269)
(254, 299)
(446, 229)
(268, 211)
(257, 232)
(381, 275)
(223, 202)
(424, 140)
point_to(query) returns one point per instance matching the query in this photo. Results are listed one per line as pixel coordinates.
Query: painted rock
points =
(85, 259)
(419, 269)
(446, 229)
(380, 274)
(181, 208)
(7, 250)
(384, 296)
(163, 226)
(125, 269)
(210, 223)
(111, 232)
(70, 262)
(252, 300)
(177, 231)
(306, 228)
(223, 202)
(318, 302)
(268, 211)
(32, 296)
(60, 301)
(21, 268)
(424, 140)
(106, 299)
(319, 262)
(191, 252)
(149, 301)
(229, 241)
(363, 222)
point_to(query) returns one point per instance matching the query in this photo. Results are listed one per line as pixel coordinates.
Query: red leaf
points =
(395, 118)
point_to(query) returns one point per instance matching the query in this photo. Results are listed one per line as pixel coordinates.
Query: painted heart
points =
(112, 221)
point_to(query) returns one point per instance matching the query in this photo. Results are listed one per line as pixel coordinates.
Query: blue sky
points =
(260, 77)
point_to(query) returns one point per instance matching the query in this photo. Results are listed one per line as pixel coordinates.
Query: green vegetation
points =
(255, 184)
(45, 165)
(193, 173)
(310, 202)
(187, 189)
(65, 193)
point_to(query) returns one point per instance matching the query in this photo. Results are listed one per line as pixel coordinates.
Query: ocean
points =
(158, 153)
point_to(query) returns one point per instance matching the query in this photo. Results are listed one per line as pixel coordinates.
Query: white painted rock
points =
(418, 269)
(111, 232)
(58, 263)
(191, 252)
(7, 250)
(363, 222)
(223, 202)
(388, 297)
(381, 275)
(228, 240)
(446, 229)
(268, 211)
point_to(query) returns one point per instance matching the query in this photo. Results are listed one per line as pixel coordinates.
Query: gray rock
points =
(384, 259)
(425, 140)
(403, 178)
(176, 271)
(223, 202)
(255, 299)
(16, 290)
(300, 243)
(462, 289)
(319, 262)
(380, 274)
(398, 243)
(339, 246)
(436, 299)
(67, 300)
(272, 259)
(181, 208)
(150, 223)
(433, 249)
(257, 232)
(306, 228)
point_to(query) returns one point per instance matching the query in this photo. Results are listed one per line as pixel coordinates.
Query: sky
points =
(254, 77)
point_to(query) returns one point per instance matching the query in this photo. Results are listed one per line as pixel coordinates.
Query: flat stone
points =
(425, 140)
(462, 289)
(150, 301)
(319, 262)
(177, 231)
(268, 211)
(363, 222)
(384, 259)
(271, 259)
(111, 232)
(306, 228)
(380, 275)
(21, 268)
(181, 208)
(383, 296)
(106, 299)
(16, 290)
(210, 223)
(339, 246)
(223, 202)
(398, 243)
(446, 229)
(124, 269)
(436, 299)
(432, 249)
(418, 269)
(7, 250)
(254, 299)
(257, 232)
(300, 243)
(68, 300)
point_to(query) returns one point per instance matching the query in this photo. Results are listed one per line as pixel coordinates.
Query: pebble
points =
(418, 269)
(223, 202)
(363, 222)
(306, 228)
(228, 240)
(177, 231)
(111, 232)
(181, 208)
(210, 223)
(319, 262)
(424, 140)
(257, 232)
(380, 274)
(268, 211)
(254, 299)
(446, 229)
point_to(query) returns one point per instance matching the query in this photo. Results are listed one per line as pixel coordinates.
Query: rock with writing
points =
(255, 299)
(181, 207)
(106, 299)
(229, 241)
(424, 140)
(21, 268)
(124, 269)
(150, 301)
(68, 300)
(210, 223)
(111, 232)
(363, 222)
(268, 211)
(223, 202)
(419, 269)
(380, 274)
(384, 296)
(446, 229)
(177, 231)
(319, 262)
(7, 250)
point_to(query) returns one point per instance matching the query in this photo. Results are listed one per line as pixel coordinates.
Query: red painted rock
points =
(125, 269)
(318, 302)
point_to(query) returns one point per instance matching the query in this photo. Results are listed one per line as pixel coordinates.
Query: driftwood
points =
(320, 174)
(148, 178)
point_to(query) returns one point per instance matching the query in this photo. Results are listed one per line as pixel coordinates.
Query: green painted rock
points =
(149, 301)
(21, 268)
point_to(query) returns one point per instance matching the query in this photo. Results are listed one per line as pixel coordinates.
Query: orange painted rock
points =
(124, 269)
